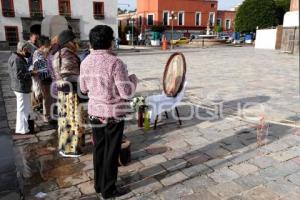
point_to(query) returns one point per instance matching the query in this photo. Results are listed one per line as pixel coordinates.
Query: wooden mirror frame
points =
(167, 69)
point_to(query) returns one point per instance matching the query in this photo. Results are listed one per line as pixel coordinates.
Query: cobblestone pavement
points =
(8, 172)
(203, 159)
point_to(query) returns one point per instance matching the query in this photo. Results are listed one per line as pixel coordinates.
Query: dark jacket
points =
(20, 77)
(84, 54)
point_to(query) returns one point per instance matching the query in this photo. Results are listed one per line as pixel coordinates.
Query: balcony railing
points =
(99, 16)
(8, 12)
(36, 13)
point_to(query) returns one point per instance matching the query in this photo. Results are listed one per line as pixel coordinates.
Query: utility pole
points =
(132, 31)
(173, 17)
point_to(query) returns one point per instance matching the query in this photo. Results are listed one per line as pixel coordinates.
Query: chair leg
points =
(166, 113)
(177, 113)
(155, 123)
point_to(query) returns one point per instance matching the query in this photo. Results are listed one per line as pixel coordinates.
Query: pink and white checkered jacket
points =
(104, 77)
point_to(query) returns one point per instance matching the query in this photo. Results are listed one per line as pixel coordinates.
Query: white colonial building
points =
(20, 17)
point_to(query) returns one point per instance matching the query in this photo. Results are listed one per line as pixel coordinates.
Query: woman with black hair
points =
(104, 77)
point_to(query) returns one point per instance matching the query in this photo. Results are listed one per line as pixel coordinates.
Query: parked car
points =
(195, 36)
(224, 36)
(180, 41)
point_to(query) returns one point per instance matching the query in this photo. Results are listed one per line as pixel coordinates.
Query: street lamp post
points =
(131, 21)
(132, 29)
(173, 17)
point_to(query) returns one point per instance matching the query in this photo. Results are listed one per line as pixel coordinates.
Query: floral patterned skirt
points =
(71, 119)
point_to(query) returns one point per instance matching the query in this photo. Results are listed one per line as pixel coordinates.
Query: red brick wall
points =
(226, 15)
(189, 7)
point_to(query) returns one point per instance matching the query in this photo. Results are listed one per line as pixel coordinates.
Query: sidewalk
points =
(203, 159)
(8, 173)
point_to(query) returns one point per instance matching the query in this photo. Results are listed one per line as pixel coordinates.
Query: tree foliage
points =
(282, 6)
(124, 11)
(256, 13)
(218, 29)
(158, 28)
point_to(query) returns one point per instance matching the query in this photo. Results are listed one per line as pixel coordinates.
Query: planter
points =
(155, 43)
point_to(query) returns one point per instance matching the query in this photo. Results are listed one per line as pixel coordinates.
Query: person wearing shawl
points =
(40, 64)
(66, 68)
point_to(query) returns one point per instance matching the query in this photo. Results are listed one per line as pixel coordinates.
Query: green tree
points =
(158, 28)
(121, 11)
(256, 13)
(218, 29)
(282, 6)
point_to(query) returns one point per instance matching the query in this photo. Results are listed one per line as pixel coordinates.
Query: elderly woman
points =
(105, 79)
(21, 85)
(66, 65)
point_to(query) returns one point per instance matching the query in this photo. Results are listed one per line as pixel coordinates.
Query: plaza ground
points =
(209, 159)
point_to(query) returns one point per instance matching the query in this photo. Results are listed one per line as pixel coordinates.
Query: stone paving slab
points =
(202, 159)
(9, 187)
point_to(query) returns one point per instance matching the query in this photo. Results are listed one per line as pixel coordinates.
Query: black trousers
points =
(107, 145)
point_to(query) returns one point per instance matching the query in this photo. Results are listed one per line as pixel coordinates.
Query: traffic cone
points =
(164, 43)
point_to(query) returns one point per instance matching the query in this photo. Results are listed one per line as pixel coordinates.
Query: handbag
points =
(125, 153)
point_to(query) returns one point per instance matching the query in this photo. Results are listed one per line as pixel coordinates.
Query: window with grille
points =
(198, 19)
(64, 7)
(8, 8)
(99, 10)
(227, 24)
(166, 18)
(219, 22)
(12, 35)
(181, 18)
(150, 20)
(35, 8)
(211, 18)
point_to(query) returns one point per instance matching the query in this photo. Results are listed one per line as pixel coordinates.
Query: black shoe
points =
(115, 193)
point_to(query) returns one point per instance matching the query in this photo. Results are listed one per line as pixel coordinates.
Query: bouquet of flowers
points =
(138, 102)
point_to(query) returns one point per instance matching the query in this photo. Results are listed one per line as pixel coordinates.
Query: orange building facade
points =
(225, 19)
(187, 14)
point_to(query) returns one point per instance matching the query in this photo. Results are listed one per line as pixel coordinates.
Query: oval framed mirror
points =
(174, 75)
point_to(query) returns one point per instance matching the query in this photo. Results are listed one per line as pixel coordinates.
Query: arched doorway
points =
(30, 26)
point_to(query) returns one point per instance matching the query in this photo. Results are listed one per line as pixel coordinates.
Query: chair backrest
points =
(174, 75)
(180, 95)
